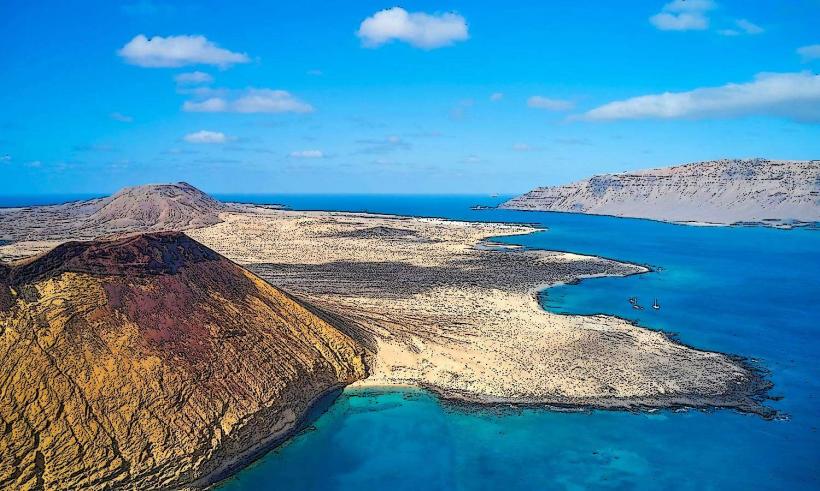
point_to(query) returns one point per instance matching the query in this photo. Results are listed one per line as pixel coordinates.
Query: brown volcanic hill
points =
(152, 362)
(157, 207)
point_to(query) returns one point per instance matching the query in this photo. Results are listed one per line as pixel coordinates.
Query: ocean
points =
(749, 291)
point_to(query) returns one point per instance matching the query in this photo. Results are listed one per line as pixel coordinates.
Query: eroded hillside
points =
(151, 362)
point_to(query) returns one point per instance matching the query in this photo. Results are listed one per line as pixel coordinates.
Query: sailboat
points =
(633, 300)
(656, 305)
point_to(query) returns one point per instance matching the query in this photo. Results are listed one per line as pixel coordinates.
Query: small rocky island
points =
(733, 191)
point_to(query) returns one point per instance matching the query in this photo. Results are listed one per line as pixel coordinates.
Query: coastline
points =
(317, 406)
(746, 399)
(483, 341)
(776, 224)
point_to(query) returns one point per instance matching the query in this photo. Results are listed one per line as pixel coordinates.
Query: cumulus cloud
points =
(251, 101)
(122, 118)
(427, 31)
(307, 154)
(496, 96)
(808, 53)
(177, 51)
(193, 78)
(683, 15)
(539, 102)
(791, 95)
(206, 136)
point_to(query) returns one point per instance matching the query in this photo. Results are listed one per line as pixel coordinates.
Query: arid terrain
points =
(441, 312)
(760, 191)
(152, 361)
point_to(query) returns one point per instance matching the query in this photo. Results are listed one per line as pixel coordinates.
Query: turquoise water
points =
(748, 291)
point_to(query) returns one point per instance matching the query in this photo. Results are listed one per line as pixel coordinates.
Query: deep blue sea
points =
(748, 291)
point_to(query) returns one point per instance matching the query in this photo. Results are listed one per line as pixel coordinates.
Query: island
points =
(186, 336)
(779, 193)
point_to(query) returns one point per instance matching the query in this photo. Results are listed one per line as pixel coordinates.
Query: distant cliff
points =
(151, 362)
(719, 191)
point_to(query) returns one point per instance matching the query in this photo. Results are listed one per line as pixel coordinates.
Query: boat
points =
(633, 300)
(636, 306)
(656, 305)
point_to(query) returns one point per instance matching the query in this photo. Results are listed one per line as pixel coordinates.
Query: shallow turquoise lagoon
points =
(749, 291)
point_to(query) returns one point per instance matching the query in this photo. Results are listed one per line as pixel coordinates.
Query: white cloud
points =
(5, 158)
(790, 95)
(743, 27)
(251, 101)
(307, 154)
(212, 105)
(749, 27)
(177, 51)
(206, 136)
(496, 96)
(808, 53)
(683, 15)
(539, 102)
(427, 31)
(122, 118)
(193, 78)
(314, 72)
(521, 147)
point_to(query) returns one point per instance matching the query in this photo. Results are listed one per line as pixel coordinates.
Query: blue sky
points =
(429, 97)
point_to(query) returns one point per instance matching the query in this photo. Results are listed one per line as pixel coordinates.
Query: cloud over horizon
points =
(178, 51)
(791, 95)
(307, 154)
(205, 136)
(251, 101)
(419, 29)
